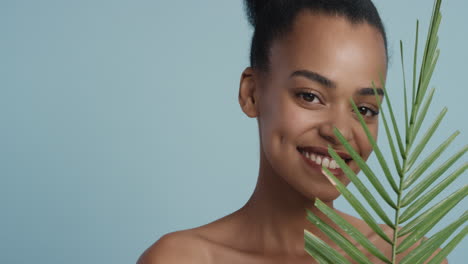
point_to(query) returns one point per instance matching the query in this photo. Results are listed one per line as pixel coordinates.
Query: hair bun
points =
(253, 9)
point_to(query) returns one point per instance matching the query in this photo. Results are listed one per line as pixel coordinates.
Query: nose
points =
(340, 122)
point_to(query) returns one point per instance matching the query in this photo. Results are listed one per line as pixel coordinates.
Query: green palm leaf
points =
(412, 177)
(422, 115)
(314, 252)
(327, 252)
(431, 178)
(360, 209)
(394, 122)
(378, 153)
(350, 230)
(424, 251)
(405, 92)
(404, 157)
(390, 139)
(424, 140)
(361, 187)
(450, 246)
(367, 171)
(430, 195)
(435, 212)
(340, 240)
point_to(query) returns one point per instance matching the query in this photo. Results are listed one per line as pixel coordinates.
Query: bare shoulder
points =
(203, 244)
(178, 247)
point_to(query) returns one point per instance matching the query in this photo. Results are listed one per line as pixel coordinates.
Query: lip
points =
(324, 152)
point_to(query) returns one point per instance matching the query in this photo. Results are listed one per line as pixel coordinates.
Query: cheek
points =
(277, 125)
(364, 143)
(282, 121)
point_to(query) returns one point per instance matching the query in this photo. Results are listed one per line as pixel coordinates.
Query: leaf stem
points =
(397, 216)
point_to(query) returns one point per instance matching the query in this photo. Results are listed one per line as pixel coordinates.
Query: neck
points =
(276, 214)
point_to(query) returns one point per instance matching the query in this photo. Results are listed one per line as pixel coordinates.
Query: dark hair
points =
(273, 18)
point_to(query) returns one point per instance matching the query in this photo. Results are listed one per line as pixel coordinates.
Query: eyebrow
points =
(313, 76)
(316, 77)
(370, 91)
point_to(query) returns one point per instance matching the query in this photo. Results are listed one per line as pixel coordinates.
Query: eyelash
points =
(373, 113)
(302, 95)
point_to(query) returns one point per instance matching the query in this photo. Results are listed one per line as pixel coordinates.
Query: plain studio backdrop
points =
(119, 120)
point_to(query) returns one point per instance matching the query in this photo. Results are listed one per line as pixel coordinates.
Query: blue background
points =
(119, 120)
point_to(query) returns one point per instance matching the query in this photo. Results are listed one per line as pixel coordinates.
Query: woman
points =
(308, 58)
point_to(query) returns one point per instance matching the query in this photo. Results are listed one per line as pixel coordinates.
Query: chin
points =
(311, 190)
(326, 195)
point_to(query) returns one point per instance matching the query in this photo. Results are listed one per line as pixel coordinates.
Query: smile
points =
(321, 160)
(318, 157)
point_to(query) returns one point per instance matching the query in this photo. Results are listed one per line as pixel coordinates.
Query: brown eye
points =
(308, 97)
(367, 112)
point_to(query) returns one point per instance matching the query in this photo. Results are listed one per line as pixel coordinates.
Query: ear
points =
(248, 92)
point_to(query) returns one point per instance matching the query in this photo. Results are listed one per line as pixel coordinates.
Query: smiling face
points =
(314, 70)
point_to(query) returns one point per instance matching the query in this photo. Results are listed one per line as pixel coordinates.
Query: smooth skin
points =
(314, 70)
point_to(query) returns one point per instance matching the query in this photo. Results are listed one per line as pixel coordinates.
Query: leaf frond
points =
(422, 115)
(420, 254)
(393, 119)
(419, 226)
(328, 252)
(351, 230)
(415, 207)
(339, 239)
(361, 187)
(360, 209)
(365, 169)
(389, 136)
(405, 93)
(437, 259)
(432, 177)
(377, 151)
(423, 143)
(428, 161)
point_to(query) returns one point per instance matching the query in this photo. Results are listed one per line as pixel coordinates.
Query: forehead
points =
(332, 46)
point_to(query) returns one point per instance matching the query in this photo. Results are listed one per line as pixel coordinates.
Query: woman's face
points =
(314, 72)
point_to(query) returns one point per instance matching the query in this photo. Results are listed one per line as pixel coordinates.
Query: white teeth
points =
(322, 160)
(318, 160)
